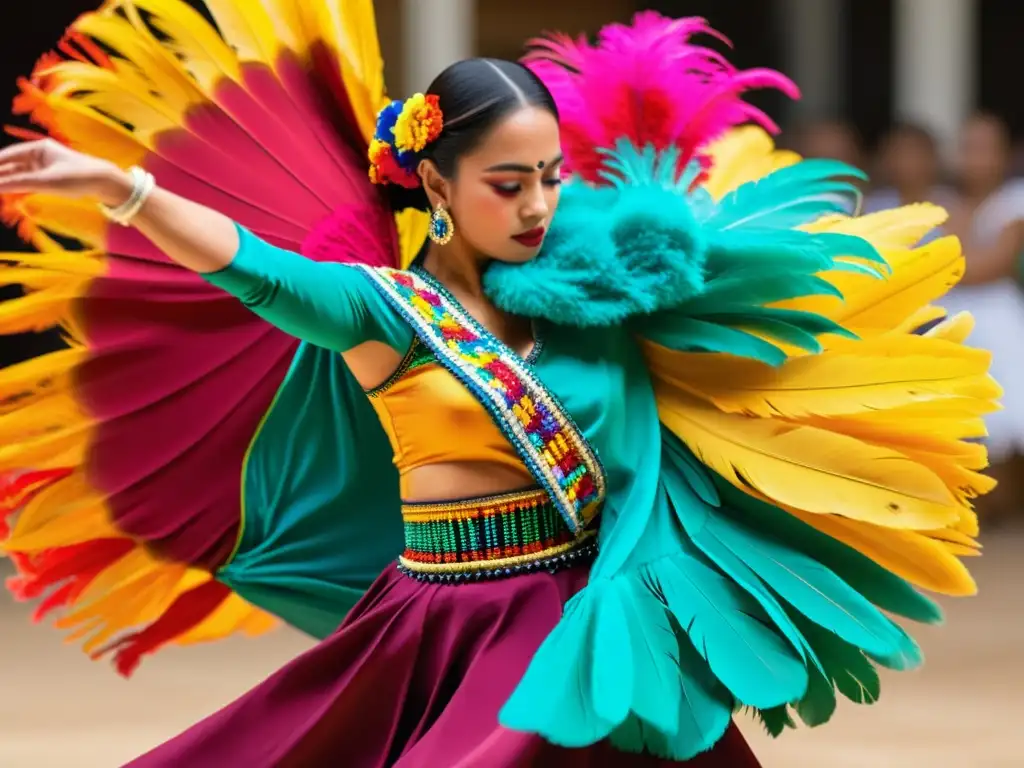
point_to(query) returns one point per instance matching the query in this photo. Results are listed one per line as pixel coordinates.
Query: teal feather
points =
(657, 681)
(730, 631)
(679, 708)
(813, 589)
(677, 458)
(789, 326)
(700, 335)
(788, 197)
(704, 717)
(905, 656)
(612, 678)
(880, 586)
(695, 522)
(555, 698)
(757, 286)
(626, 166)
(788, 249)
(616, 667)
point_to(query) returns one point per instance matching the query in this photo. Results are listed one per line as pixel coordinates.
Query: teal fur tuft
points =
(690, 272)
(610, 254)
(632, 247)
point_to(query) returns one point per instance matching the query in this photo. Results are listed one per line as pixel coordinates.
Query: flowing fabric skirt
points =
(413, 678)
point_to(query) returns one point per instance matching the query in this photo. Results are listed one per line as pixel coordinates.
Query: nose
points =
(535, 204)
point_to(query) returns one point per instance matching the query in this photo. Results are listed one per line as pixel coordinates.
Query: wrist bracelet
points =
(143, 184)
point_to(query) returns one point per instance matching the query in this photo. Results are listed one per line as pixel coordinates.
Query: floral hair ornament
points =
(404, 129)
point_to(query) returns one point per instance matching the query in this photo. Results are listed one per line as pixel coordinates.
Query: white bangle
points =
(143, 184)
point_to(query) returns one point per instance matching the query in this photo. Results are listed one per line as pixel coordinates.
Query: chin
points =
(517, 255)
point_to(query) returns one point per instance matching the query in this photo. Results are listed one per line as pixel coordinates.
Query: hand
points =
(50, 167)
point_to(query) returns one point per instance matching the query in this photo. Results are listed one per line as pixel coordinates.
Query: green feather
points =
(846, 669)
(776, 720)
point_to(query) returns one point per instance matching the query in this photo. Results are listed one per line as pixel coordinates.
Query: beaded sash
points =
(491, 537)
(535, 423)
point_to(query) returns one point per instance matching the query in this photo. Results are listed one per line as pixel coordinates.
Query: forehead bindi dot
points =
(540, 165)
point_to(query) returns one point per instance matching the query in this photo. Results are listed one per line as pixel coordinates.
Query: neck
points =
(456, 267)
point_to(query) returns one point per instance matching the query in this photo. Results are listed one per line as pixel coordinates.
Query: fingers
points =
(19, 182)
(23, 151)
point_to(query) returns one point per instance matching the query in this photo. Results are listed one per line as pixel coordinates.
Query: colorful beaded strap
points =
(487, 538)
(535, 423)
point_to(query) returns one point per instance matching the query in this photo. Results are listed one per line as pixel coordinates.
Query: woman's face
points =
(911, 161)
(506, 191)
(984, 154)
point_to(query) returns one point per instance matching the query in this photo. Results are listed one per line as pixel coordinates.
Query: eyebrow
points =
(520, 168)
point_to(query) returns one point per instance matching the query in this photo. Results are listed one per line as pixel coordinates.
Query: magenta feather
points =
(647, 82)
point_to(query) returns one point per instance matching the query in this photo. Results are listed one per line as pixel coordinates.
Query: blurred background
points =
(923, 95)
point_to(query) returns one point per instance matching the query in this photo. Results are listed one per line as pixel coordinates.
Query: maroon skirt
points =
(414, 677)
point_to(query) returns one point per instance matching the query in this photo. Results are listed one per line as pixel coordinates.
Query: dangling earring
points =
(442, 228)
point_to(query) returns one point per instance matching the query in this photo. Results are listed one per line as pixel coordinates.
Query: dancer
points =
(568, 487)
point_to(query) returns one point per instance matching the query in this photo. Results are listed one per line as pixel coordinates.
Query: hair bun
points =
(404, 129)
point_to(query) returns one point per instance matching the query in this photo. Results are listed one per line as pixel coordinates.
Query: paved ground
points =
(964, 710)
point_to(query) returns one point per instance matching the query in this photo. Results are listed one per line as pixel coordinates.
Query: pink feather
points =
(648, 83)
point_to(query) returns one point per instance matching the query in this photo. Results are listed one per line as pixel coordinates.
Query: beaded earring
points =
(442, 228)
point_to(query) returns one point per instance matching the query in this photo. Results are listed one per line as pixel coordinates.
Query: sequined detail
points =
(542, 432)
(489, 538)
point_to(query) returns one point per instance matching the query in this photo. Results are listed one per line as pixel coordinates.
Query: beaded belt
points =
(491, 537)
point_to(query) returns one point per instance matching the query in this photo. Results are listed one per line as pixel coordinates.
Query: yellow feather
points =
(59, 410)
(209, 57)
(896, 229)
(919, 318)
(38, 376)
(350, 31)
(37, 311)
(742, 155)
(809, 468)
(141, 60)
(247, 28)
(872, 374)
(956, 329)
(88, 131)
(76, 219)
(233, 615)
(70, 511)
(876, 305)
(412, 233)
(909, 554)
(66, 448)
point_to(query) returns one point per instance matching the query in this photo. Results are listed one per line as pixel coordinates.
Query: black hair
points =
(474, 95)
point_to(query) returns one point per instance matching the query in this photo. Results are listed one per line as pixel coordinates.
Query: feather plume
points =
(648, 83)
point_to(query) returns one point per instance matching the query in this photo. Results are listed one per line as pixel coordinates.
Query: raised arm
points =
(330, 305)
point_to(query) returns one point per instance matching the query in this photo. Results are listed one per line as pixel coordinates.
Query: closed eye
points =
(514, 188)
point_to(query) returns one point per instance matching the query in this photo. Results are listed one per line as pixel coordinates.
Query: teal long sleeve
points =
(330, 305)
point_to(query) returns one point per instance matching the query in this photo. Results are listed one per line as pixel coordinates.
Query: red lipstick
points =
(532, 238)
